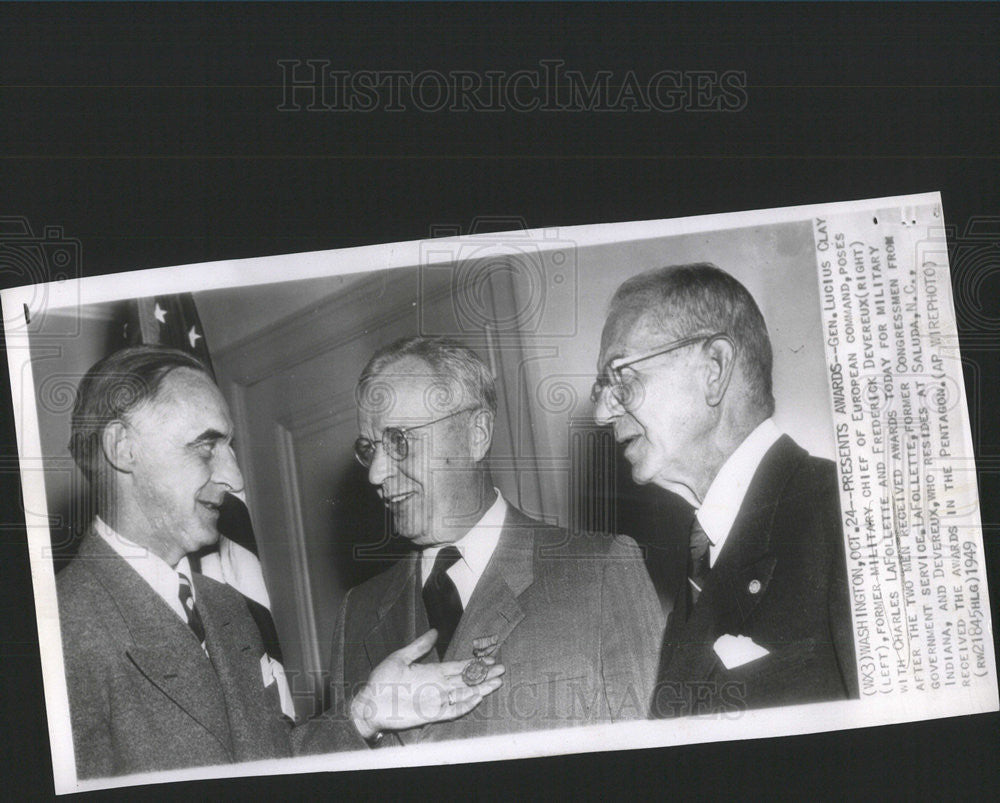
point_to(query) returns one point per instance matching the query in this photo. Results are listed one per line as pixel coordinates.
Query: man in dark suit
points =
(761, 615)
(166, 668)
(574, 617)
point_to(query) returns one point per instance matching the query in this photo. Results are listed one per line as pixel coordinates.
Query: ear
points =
(118, 447)
(481, 434)
(721, 361)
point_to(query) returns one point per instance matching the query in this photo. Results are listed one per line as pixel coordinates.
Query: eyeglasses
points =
(613, 379)
(394, 440)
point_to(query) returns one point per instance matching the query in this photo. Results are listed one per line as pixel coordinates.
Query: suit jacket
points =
(779, 580)
(143, 695)
(576, 616)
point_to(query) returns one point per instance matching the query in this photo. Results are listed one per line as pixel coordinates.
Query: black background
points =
(151, 133)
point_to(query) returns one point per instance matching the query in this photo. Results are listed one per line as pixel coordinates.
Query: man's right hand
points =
(401, 693)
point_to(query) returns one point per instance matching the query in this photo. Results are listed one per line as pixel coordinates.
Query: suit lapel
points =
(255, 728)
(400, 618)
(398, 614)
(494, 609)
(160, 645)
(739, 579)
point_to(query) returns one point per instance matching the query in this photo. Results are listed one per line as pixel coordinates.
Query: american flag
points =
(173, 321)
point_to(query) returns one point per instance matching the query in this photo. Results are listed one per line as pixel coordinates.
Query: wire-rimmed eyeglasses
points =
(612, 378)
(394, 440)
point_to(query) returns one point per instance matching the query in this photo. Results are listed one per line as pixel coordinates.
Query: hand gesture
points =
(401, 693)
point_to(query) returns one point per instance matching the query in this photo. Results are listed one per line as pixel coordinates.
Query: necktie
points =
(698, 566)
(444, 606)
(187, 600)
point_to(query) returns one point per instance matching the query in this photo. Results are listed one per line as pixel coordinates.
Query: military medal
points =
(476, 670)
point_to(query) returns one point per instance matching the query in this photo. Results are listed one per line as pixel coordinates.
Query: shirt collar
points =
(476, 546)
(725, 495)
(150, 567)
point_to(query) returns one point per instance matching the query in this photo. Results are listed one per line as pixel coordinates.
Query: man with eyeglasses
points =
(573, 617)
(166, 668)
(760, 613)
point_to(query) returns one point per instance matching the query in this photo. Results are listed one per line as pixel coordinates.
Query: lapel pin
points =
(754, 587)
(475, 671)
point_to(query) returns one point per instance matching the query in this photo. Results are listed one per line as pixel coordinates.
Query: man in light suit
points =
(574, 618)
(761, 615)
(166, 668)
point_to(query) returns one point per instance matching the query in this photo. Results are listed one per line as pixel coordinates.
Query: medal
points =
(476, 670)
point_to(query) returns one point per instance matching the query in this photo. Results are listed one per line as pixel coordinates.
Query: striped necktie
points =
(187, 601)
(698, 563)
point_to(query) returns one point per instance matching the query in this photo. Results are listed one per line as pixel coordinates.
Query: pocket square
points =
(266, 670)
(735, 651)
(273, 672)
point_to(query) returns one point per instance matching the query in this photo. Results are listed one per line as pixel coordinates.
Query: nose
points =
(225, 469)
(607, 408)
(381, 468)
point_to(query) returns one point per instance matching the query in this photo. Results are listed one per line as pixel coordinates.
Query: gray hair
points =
(114, 387)
(460, 375)
(689, 300)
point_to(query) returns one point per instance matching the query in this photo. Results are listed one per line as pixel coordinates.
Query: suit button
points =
(754, 587)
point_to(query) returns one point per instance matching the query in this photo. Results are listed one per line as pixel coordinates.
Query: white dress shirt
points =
(725, 495)
(476, 548)
(152, 568)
